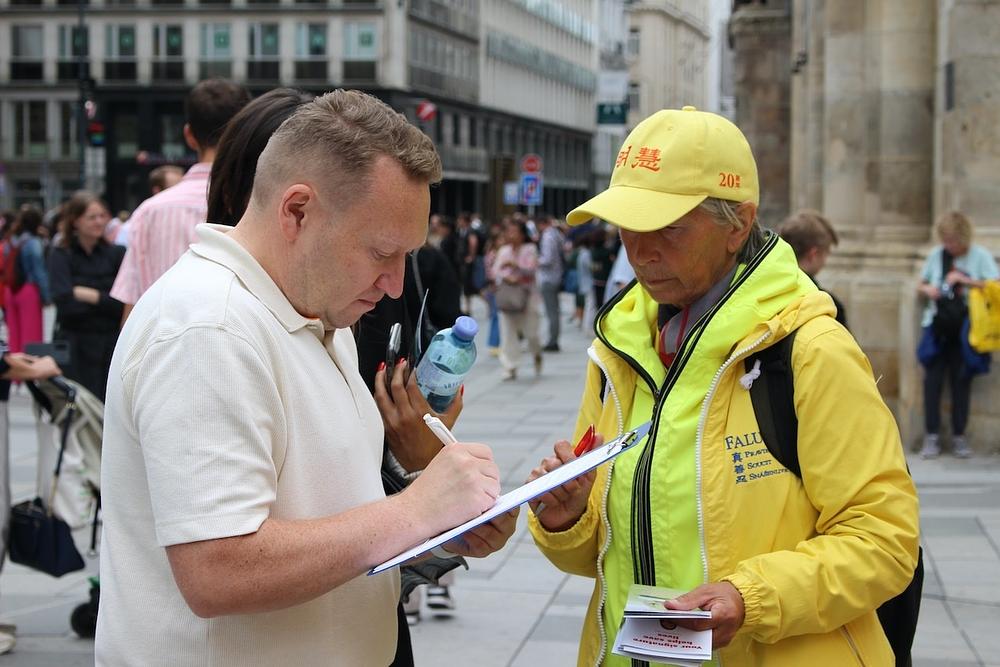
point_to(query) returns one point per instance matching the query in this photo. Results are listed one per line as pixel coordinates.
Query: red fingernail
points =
(461, 390)
(381, 367)
(402, 360)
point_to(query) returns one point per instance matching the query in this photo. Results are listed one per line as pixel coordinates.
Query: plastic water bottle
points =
(447, 361)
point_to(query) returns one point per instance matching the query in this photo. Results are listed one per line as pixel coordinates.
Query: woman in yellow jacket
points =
(792, 569)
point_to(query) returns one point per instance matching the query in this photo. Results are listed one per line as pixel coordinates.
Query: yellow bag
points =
(984, 317)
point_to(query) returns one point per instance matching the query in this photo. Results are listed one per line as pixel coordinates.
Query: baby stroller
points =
(70, 424)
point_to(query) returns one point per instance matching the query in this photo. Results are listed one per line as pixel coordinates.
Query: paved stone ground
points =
(513, 608)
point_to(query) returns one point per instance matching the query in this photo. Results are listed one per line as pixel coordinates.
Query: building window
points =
(168, 53)
(27, 53)
(126, 132)
(473, 131)
(310, 52)
(216, 53)
(30, 130)
(28, 191)
(69, 140)
(359, 41)
(456, 130)
(263, 49)
(633, 96)
(172, 144)
(633, 43)
(73, 44)
(119, 52)
(360, 51)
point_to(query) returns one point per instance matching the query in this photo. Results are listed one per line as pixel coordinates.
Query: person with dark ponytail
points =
(241, 144)
(82, 269)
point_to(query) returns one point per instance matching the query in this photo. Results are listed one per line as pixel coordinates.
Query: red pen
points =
(586, 442)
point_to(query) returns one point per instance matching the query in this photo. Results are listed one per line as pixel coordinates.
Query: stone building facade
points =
(893, 119)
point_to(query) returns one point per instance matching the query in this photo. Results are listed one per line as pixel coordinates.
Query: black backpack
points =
(951, 311)
(772, 395)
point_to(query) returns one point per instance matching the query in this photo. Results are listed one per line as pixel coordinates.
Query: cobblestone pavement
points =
(514, 608)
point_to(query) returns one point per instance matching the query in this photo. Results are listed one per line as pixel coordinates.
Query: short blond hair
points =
(807, 229)
(954, 224)
(335, 139)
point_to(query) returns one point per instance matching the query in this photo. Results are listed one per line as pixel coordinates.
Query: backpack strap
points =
(773, 398)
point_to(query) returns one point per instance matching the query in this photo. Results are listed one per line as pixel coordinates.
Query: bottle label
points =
(438, 380)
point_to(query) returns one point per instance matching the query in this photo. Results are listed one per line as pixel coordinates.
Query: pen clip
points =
(623, 442)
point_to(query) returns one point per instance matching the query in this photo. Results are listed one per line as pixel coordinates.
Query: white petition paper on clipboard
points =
(529, 491)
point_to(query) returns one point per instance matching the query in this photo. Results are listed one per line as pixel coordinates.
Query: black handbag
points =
(38, 538)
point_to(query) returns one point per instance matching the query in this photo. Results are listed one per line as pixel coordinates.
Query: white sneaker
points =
(7, 640)
(931, 448)
(960, 447)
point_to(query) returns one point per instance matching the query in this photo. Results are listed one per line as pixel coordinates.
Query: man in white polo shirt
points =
(242, 497)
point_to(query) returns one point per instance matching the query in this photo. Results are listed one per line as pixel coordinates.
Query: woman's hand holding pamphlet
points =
(648, 632)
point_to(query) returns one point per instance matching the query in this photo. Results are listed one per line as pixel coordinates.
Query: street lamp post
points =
(81, 77)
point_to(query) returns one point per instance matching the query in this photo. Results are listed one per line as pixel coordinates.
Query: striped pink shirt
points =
(160, 231)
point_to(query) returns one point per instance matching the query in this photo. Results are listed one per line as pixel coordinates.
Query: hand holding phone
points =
(392, 351)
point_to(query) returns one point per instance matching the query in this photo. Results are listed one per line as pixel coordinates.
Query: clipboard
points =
(529, 491)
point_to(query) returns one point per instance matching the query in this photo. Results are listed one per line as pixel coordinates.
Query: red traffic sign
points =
(426, 111)
(531, 163)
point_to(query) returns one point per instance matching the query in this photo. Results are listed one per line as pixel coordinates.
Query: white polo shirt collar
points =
(215, 245)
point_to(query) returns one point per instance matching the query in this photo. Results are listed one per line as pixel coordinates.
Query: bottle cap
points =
(465, 328)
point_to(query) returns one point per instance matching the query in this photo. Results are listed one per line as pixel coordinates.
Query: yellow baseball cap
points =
(670, 163)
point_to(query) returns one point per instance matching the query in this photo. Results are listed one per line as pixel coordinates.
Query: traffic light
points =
(95, 133)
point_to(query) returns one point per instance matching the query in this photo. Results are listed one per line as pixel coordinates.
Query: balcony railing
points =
(359, 71)
(27, 70)
(120, 70)
(263, 70)
(464, 159)
(165, 71)
(215, 69)
(69, 70)
(311, 70)
(442, 15)
(435, 82)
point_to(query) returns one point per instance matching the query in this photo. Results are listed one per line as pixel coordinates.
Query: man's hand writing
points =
(461, 482)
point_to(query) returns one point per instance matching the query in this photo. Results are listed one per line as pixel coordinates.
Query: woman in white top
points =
(515, 266)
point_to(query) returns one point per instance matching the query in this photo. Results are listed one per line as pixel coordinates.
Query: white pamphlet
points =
(529, 491)
(647, 639)
(648, 602)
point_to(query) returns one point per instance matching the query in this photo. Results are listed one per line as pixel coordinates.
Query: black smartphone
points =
(57, 349)
(392, 351)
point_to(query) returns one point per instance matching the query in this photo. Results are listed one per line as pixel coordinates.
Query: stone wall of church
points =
(894, 118)
(760, 36)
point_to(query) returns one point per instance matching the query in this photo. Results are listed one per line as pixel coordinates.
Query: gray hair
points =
(723, 211)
